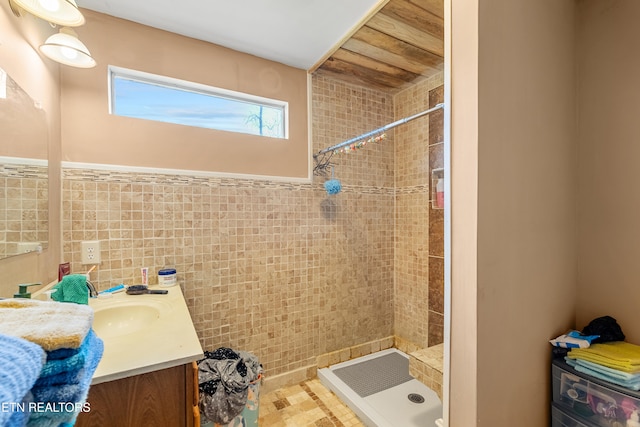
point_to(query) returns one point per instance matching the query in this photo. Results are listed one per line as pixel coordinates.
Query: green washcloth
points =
(72, 288)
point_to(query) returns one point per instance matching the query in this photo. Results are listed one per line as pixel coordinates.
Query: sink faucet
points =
(93, 293)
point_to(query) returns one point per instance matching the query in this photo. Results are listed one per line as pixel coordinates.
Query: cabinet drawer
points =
(560, 418)
(589, 400)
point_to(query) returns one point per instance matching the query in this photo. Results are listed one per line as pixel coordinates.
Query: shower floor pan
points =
(379, 389)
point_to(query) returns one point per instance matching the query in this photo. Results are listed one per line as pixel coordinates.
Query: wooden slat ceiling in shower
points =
(399, 45)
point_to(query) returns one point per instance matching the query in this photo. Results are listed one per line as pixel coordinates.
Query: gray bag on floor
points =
(230, 396)
(223, 378)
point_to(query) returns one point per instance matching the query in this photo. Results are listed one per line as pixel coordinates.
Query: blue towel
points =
(69, 377)
(69, 393)
(20, 365)
(62, 353)
(605, 370)
(70, 364)
(633, 384)
(20, 418)
(59, 393)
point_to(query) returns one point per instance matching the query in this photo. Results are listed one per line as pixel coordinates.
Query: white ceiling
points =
(294, 32)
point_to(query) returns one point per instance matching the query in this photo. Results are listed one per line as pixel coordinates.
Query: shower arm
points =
(377, 131)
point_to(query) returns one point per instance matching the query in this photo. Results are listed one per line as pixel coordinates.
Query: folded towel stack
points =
(630, 381)
(51, 325)
(617, 362)
(73, 352)
(66, 381)
(20, 365)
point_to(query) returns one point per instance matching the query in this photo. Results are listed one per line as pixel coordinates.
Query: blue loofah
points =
(332, 186)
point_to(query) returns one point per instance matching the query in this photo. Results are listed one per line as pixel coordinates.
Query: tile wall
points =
(436, 223)
(24, 209)
(419, 250)
(279, 269)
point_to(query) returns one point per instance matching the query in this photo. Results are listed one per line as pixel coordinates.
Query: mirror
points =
(24, 186)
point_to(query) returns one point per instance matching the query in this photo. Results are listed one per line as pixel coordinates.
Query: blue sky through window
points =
(143, 100)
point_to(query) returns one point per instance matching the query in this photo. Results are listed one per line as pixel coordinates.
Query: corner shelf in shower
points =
(436, 175)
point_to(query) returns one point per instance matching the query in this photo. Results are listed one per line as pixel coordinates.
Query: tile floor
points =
(309, 404)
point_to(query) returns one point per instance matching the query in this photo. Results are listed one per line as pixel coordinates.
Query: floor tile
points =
(309, 404)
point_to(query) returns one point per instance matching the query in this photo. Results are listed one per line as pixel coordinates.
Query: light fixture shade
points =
(61, 12)
(65, 48)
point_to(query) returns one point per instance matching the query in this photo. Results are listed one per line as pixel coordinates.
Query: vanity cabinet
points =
(161, 398)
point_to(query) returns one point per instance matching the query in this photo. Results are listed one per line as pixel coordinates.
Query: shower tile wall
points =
(282, 270)
(436, 223)
(419, 233)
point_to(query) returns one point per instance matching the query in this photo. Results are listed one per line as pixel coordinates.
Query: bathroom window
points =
(165, 99)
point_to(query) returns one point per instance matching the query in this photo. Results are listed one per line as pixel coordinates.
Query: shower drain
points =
(415, 398)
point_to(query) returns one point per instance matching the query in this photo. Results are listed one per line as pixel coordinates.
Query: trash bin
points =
(229, 386)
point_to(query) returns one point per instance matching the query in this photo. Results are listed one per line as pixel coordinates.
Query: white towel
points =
(51, 325)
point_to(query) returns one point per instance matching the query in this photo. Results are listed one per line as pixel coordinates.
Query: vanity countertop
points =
(164, 337)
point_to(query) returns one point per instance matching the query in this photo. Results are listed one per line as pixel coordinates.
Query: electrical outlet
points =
(91, 252)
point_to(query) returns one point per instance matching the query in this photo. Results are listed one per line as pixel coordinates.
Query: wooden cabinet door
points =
(156, 399)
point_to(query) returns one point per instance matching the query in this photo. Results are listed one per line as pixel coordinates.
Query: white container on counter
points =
(167, 277)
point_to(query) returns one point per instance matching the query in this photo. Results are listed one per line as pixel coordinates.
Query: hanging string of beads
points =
(361, 144)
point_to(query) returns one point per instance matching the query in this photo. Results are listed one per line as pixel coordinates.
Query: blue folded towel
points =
(632, 384)
(70, 364)
(69, 377)
(605, 370)
(62, 353)
(20, 365)
(59, 393)
(20, 418)
(71, 393)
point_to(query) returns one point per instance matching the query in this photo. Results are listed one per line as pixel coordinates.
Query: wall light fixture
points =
(65, 48)
(62, 12)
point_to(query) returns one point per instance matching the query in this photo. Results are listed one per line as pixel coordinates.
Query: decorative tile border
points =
(415, 189)
(97, 175)
(23, 171)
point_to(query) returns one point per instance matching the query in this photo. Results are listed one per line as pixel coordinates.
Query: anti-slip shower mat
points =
(375, 375)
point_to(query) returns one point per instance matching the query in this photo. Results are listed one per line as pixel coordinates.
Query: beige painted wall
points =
(463, 383)
(523, 148)
(609, 130)
(90, 134)
(24, 127)
(39, 77)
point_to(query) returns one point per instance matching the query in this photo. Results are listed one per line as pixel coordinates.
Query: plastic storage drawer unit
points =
(591, 401)
(559, 418)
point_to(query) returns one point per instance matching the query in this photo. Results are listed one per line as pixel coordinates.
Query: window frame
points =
(198, 88)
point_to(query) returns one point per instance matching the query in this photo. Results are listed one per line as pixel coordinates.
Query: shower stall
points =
(378, 387)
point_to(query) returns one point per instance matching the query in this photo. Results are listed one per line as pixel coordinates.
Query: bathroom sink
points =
(130, 325)
(118, 320)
